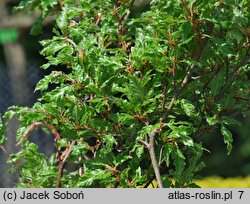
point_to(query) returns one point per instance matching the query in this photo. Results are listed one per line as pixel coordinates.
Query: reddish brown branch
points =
(62, 161)
(28, 131)
(61, 158)
(35, 125)
(54, 132)
(59, 174)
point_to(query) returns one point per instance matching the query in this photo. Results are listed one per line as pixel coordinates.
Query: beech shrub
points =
(139, 94)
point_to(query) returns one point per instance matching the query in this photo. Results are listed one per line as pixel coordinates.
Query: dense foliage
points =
(139, 93)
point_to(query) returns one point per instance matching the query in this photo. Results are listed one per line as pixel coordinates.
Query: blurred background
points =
(19, 72)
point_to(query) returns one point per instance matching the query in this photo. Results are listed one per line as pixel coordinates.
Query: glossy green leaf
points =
(228, 138)
(179, 162)
(3, 128)
(37, 27)
(62, 20)
(188, 108)
(230, 121)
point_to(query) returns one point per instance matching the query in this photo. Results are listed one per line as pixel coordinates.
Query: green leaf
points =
(3, 129)
(212, 120)
(187, 141)
(43, 84)
(55, 77)
(109, 142)
(139, 178)
(121, 158)
(235, 34)
(125, 176)
(167, 151)
(62, 20)
(79, 149)
(123, 117)
(188, 108)
(181, 130)
(230, 121)
(62, 143)
(228, 138)
(186, 29)
(53, 46)
(94, 175)
(37, 27)
(139, 151)
(24, 4)
(179, 162)
(9, 114)
(217, 84)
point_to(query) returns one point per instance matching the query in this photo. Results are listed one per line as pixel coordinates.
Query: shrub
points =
(139, 94)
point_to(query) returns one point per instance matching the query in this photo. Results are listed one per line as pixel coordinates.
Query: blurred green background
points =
(221, 170)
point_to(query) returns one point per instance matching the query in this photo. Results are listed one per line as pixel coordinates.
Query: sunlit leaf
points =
(228, 138)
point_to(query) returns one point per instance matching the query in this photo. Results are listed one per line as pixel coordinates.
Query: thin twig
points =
(80, 169)
(62, 162)
(4, 150)
(146, 144)
(160, 157)
(29, 130)
(70, 41)
(35, 125)
(69, 151)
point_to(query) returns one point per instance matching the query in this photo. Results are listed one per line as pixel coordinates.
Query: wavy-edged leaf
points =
(228, 138)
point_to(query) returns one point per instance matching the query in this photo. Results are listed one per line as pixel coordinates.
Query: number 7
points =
(241, 193)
